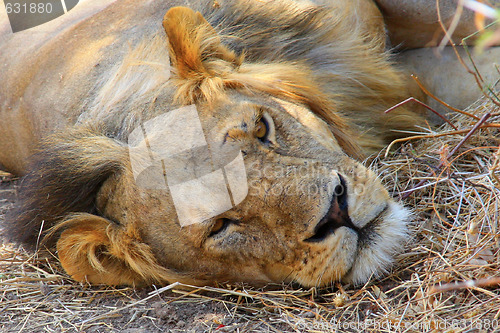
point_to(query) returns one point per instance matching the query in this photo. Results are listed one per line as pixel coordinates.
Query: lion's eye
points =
(262, 128)
(219, 226)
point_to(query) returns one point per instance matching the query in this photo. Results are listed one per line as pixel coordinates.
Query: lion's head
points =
(308, 212)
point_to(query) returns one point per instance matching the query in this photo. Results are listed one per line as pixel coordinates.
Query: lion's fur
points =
(51, 189)
(348, 92)
(321, 77)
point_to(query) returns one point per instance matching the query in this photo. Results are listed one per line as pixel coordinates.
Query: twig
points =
(107, 314)
(413, 99)
(440, 101)
(476, 70)
(453, 45)
(495, 165)
(434, 135)
(475, 73)
(487, 282)
(454, 23)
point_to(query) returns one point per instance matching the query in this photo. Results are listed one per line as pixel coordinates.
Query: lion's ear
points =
(197, 54)
(93, 249)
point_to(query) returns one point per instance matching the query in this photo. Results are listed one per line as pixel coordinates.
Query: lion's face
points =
(312, 214)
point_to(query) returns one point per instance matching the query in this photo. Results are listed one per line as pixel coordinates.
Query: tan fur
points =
(90, 249)
(199, 58)
(316, 76)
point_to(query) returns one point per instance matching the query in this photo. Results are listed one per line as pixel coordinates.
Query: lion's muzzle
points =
(336, 217)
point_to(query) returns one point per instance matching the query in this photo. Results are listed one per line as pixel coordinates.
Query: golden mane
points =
(204, 68)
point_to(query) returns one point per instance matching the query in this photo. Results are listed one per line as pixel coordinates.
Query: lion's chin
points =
(378, 242)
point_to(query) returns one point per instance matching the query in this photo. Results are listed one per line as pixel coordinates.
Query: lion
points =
(278, 103)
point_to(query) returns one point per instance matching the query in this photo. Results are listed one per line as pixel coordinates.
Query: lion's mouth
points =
(336, 217)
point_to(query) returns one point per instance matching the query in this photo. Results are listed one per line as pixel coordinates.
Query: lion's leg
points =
(444, 76)
(414, 24)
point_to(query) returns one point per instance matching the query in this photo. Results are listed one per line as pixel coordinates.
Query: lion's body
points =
(45, 88)
(318, 77)
(73, 80)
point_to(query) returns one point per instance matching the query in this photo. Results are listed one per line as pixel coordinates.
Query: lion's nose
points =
(336, 217)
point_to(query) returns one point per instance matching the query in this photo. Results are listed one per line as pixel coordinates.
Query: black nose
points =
(336, 217)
